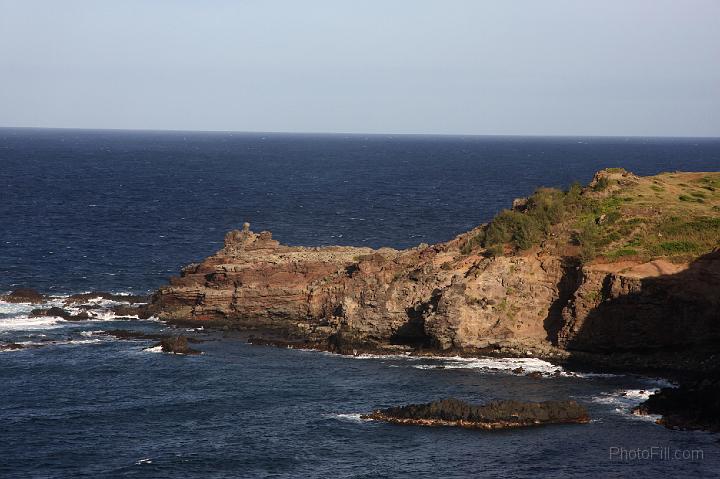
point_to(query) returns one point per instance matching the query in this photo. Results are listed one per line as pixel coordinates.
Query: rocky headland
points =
(493, 415)
(621, 274)
(627, 265)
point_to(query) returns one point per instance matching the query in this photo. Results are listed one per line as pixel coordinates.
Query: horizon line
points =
(347, 133)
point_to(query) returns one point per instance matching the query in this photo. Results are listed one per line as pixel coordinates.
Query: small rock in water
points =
(177, 345)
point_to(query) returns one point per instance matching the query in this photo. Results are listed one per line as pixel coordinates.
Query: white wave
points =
(61, 342)
(28, 323)
(353, 417)
(15, 308)
(102, 302)
(528, 365)
(154, 349)
(624, 401)
(143, 461)
(384, 356)
(593, 375)
(108, 316)
(658, 383)
(502, 365)
(89, 334)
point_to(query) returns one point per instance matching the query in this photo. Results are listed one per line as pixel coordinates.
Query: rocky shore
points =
(620, 275)
(694, 404)
(494, 415)
(619, 308)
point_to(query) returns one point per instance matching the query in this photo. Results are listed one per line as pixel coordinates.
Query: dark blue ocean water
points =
(124, 210)
(121, 211)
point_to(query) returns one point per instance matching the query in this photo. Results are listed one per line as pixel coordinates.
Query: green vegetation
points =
(523, 229)
(601, 184)
(671, 216)
(622, 252)
(678, 246)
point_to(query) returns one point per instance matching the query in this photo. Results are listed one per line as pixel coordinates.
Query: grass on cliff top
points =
(618, 216)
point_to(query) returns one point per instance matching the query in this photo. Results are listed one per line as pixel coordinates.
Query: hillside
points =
(674, 216)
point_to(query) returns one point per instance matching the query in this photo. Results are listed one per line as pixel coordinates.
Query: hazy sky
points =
(626, 67)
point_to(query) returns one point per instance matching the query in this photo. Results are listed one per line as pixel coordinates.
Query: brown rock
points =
(494, 415)
(24, 295)
(177, 345)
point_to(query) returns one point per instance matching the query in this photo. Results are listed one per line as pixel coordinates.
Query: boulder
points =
(177, 345)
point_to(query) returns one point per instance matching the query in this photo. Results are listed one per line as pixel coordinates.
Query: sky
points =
(504, 67)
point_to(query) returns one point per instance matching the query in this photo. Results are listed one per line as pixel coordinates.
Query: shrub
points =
(601, 184)
(678, 246)
(521, 229)
(588, 238)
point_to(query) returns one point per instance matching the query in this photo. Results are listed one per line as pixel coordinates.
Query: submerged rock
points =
(10, 346)
(493, 415)
(61, 313)
(129, 311)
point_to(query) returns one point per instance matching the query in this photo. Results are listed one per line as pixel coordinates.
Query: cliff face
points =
(451, 296)
(644, 307)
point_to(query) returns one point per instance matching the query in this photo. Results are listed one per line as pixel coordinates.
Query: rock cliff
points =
(624, 265)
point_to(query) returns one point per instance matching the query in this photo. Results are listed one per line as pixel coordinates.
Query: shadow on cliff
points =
(413, 332)
(674, 313)
(567, 286)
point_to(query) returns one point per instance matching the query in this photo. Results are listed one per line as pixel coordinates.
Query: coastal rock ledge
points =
(493, 415)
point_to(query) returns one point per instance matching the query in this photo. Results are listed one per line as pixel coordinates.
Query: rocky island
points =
(622, 274)
(493, 415)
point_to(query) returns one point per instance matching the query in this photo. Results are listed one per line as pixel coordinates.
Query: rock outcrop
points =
(693, 405)
(494, 415)
(490, 290)
(23, 295)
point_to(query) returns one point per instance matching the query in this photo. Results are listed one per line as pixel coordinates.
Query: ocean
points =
(122, 211)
